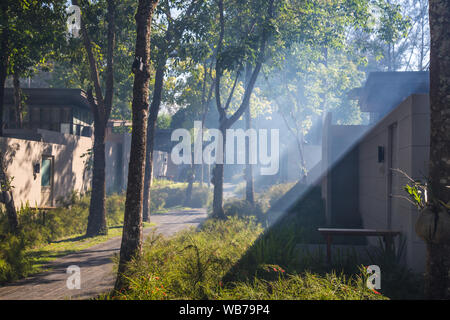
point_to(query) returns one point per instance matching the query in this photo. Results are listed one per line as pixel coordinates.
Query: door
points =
(47, 181)
(393, 181)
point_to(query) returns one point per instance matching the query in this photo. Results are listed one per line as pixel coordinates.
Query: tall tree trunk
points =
(17, 100)
(171, 38)
(97, 214)
(101, 109)
(249, 192)
(438, 258)
(190, 180)
(6, 196)
(151, 129)
(224, 121)
(132, 229)
(217, 181)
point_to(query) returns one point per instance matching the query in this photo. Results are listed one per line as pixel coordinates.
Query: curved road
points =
(96, 267)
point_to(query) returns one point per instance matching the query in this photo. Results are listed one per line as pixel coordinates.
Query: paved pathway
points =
(95, 263)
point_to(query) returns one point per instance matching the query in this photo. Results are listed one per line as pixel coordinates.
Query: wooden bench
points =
(329, 233)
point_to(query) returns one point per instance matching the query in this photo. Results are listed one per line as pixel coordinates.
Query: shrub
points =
(38, 228)
(13, 261)
(243, 209)
(157, 199)
(275, 192)
(167, 194)
(200, 197)
(115, 208)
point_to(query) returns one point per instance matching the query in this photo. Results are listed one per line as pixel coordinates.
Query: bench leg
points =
(389, 243)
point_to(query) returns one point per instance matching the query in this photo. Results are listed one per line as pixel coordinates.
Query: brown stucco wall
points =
(69, 167)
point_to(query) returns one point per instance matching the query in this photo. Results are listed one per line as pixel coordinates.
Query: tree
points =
(165, 43)
(250, 48)
(6, 186)
(131, 245)
(24, 43)
(438, 258)
(101, 109)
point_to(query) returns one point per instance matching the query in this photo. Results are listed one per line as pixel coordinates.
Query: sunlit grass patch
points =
(194, 263)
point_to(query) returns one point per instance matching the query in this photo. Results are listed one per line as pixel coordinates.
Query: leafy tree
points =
(176, 32)
(131, 245)
(256, 23)
(24, 43)
(101, 108)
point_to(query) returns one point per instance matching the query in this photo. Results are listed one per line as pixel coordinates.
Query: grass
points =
(195, 263)
(42, 255)
(43, 238)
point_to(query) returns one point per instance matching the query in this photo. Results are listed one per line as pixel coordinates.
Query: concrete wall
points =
(117, 151)
(69, 167)
(340, 185)
(404, 134)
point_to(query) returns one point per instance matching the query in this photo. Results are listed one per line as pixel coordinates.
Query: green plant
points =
(307, 286)
(14, 263)
(243, 209)
(193, 265)
(190, 265)
(398, 282)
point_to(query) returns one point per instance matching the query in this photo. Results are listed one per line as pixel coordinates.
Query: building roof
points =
(385, 90)
(50, 97)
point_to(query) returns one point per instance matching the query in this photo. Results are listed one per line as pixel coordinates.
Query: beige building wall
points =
(69, 172)
(404, 135)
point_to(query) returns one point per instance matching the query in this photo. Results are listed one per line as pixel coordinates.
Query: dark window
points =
(46, 172)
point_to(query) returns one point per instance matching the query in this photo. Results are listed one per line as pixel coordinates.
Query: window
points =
(46, 172)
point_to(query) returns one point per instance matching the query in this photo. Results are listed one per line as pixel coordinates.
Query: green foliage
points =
(28, 44)
(165, 194)
(275, 192)
(415, 195)
(39, 228)
(13, 262)
(398, 282)
(192, 266)
(307, 286)
(163, 121)
(244, 209)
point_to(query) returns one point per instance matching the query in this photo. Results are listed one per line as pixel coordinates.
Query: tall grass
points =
(194, 265)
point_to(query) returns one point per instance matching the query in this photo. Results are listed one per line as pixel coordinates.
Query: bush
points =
(243, 209)
(275, 192)
(115, 208)
(38, 228)
(200, 197)
(166, 194)
(14, 263)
